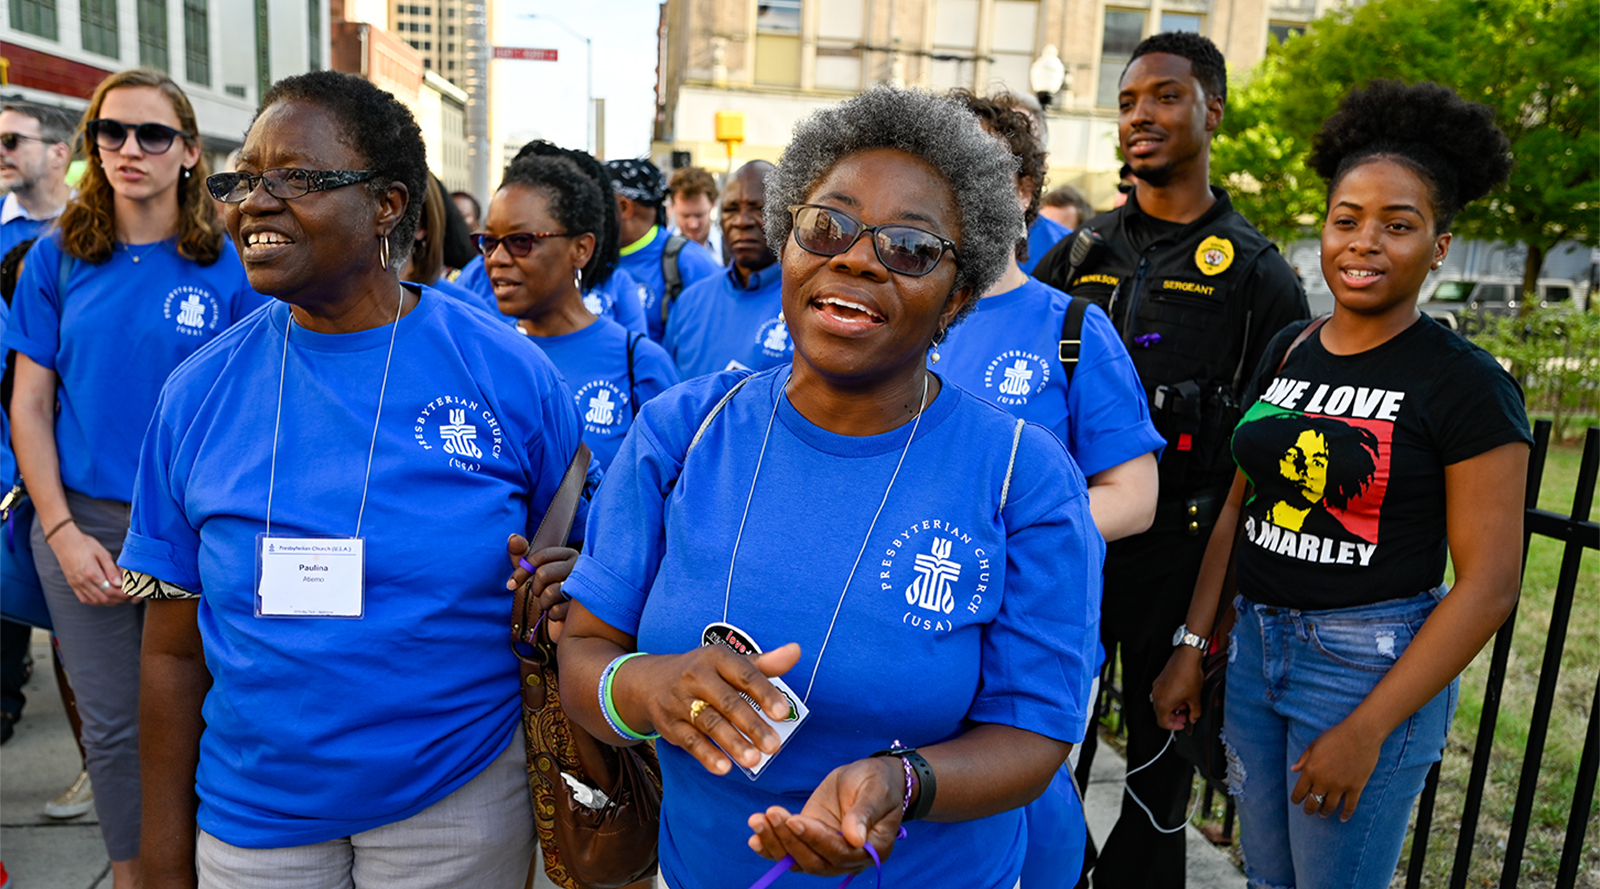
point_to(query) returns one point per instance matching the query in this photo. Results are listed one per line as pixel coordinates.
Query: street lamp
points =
(1046, 75)
(589, 61)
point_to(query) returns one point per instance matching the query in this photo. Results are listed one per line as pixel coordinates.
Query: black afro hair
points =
(1451, 143)
(575, 199)
(608, 236)
(1205, 60)
(379, 128)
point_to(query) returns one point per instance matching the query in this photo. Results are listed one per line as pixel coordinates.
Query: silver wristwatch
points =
(1182, 636)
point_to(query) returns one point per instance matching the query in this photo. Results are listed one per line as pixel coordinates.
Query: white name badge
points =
(739, 642)
(310, 576)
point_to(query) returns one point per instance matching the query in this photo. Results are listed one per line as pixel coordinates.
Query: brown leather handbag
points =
(589, 840)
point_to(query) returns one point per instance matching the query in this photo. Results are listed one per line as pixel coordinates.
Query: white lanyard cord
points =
(383, 387)
(806, 698)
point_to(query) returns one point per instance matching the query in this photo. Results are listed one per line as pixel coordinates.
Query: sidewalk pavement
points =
(40, 761)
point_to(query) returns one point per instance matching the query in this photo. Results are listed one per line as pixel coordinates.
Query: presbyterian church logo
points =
(945, 580)
(462, 428)
(773, 337)
(602, 405)
(1015, 376)
(193, 309)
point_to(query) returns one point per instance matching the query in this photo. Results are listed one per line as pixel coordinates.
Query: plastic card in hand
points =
(740, 643)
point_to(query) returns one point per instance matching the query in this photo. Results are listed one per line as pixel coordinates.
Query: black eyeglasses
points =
(154, 138)
(11, 140)
(283, 183)
(516, 244)
(905, 249)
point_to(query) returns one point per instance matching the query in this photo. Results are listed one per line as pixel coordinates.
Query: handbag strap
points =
(553, 530)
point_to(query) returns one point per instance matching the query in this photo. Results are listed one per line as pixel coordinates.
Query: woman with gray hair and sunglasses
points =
(900, 577)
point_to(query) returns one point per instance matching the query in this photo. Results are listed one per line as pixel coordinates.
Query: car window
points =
(1557, 294)
(1452, 291)
(1498, 293)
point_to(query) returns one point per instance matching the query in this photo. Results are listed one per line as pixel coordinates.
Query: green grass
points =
(1563, 746)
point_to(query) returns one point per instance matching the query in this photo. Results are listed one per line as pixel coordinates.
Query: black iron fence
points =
(1577, 532)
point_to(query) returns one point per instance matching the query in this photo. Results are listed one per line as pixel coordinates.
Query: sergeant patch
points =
(1214, 255)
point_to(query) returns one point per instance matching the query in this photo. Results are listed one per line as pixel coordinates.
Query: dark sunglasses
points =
(283, 183)
(11, 140)
(904, 249)
(516, 244)
(154, 138)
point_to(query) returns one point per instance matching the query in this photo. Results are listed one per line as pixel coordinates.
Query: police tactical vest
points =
(1181, 308)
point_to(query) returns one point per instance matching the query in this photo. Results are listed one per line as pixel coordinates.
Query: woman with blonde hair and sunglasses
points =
(137, 277)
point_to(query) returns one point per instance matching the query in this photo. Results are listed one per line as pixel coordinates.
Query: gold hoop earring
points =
(383, 251)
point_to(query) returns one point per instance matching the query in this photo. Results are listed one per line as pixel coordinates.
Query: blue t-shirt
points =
(475, 298)
(121, 329)
(960, 609)
(644, 264)
(18, 228)
(621, 299)
(322, 728)
(594, 363)
(1007, 352)
(717, 324)
(1042, 235)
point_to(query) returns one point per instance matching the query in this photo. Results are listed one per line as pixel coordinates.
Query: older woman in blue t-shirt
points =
(917, 566)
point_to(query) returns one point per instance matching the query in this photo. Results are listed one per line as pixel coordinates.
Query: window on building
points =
(1016, 22)
(427, 10)
(955, 35)
(1281, 32)
(196, 42)
(839, 31)
(314, 34)
(37, 17)
(449, 47)
(427, 28)
(427, 44)
(450, 65)
(99, 21)
(450, 30)
(415, 44)
(1123, 31)
(1182, 21)
(778, 16)
(427, 63)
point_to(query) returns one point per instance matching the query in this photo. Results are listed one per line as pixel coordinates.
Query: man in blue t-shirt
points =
(735, 320)
(648, 253)
(35, 149)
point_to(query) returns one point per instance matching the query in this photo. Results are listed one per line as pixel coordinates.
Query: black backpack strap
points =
(633, 400)
(1072, 335)
(670, 276)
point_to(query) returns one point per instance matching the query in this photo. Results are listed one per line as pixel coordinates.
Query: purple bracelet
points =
(911, 779)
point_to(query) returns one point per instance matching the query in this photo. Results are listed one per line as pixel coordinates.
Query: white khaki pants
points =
(481, 835)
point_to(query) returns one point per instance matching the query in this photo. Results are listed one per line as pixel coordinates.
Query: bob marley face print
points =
(1323, 466)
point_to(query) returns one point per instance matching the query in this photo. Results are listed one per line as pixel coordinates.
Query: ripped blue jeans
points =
(1292, 675)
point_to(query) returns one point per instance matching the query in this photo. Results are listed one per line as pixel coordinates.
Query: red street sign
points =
(525, 54)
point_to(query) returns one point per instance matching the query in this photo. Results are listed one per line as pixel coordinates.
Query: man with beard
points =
(735, 319)
(35, 148)
(1196, 293)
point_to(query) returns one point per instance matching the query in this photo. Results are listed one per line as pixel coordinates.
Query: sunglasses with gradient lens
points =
(283, 183)
(154, 138)
(516, 243)
(904, 249)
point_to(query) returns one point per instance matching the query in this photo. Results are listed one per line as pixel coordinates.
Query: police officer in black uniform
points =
(1196, 293)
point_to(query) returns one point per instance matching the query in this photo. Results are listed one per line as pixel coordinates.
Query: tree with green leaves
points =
(1532, 61)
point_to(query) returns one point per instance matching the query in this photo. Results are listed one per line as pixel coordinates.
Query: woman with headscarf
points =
(917, 566)
(328, 696)
(136, 278)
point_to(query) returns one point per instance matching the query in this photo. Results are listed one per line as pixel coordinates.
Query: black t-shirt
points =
(1347, 456)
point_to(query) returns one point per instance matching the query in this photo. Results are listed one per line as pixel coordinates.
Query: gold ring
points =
(695, 709)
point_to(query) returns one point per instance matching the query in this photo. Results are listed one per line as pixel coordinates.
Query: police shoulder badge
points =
(1214, 255)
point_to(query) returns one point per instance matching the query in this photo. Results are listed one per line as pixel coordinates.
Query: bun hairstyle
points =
(575, 199)
(608, 233)
(1452, 144)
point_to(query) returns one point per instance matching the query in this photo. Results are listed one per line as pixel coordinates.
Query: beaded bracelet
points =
(608, 707)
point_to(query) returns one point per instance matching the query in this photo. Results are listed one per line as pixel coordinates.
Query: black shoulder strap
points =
(1072, 335)
(670, 276)
(633, 400)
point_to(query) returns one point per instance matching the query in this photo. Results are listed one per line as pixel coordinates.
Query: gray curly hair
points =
(979, 168)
